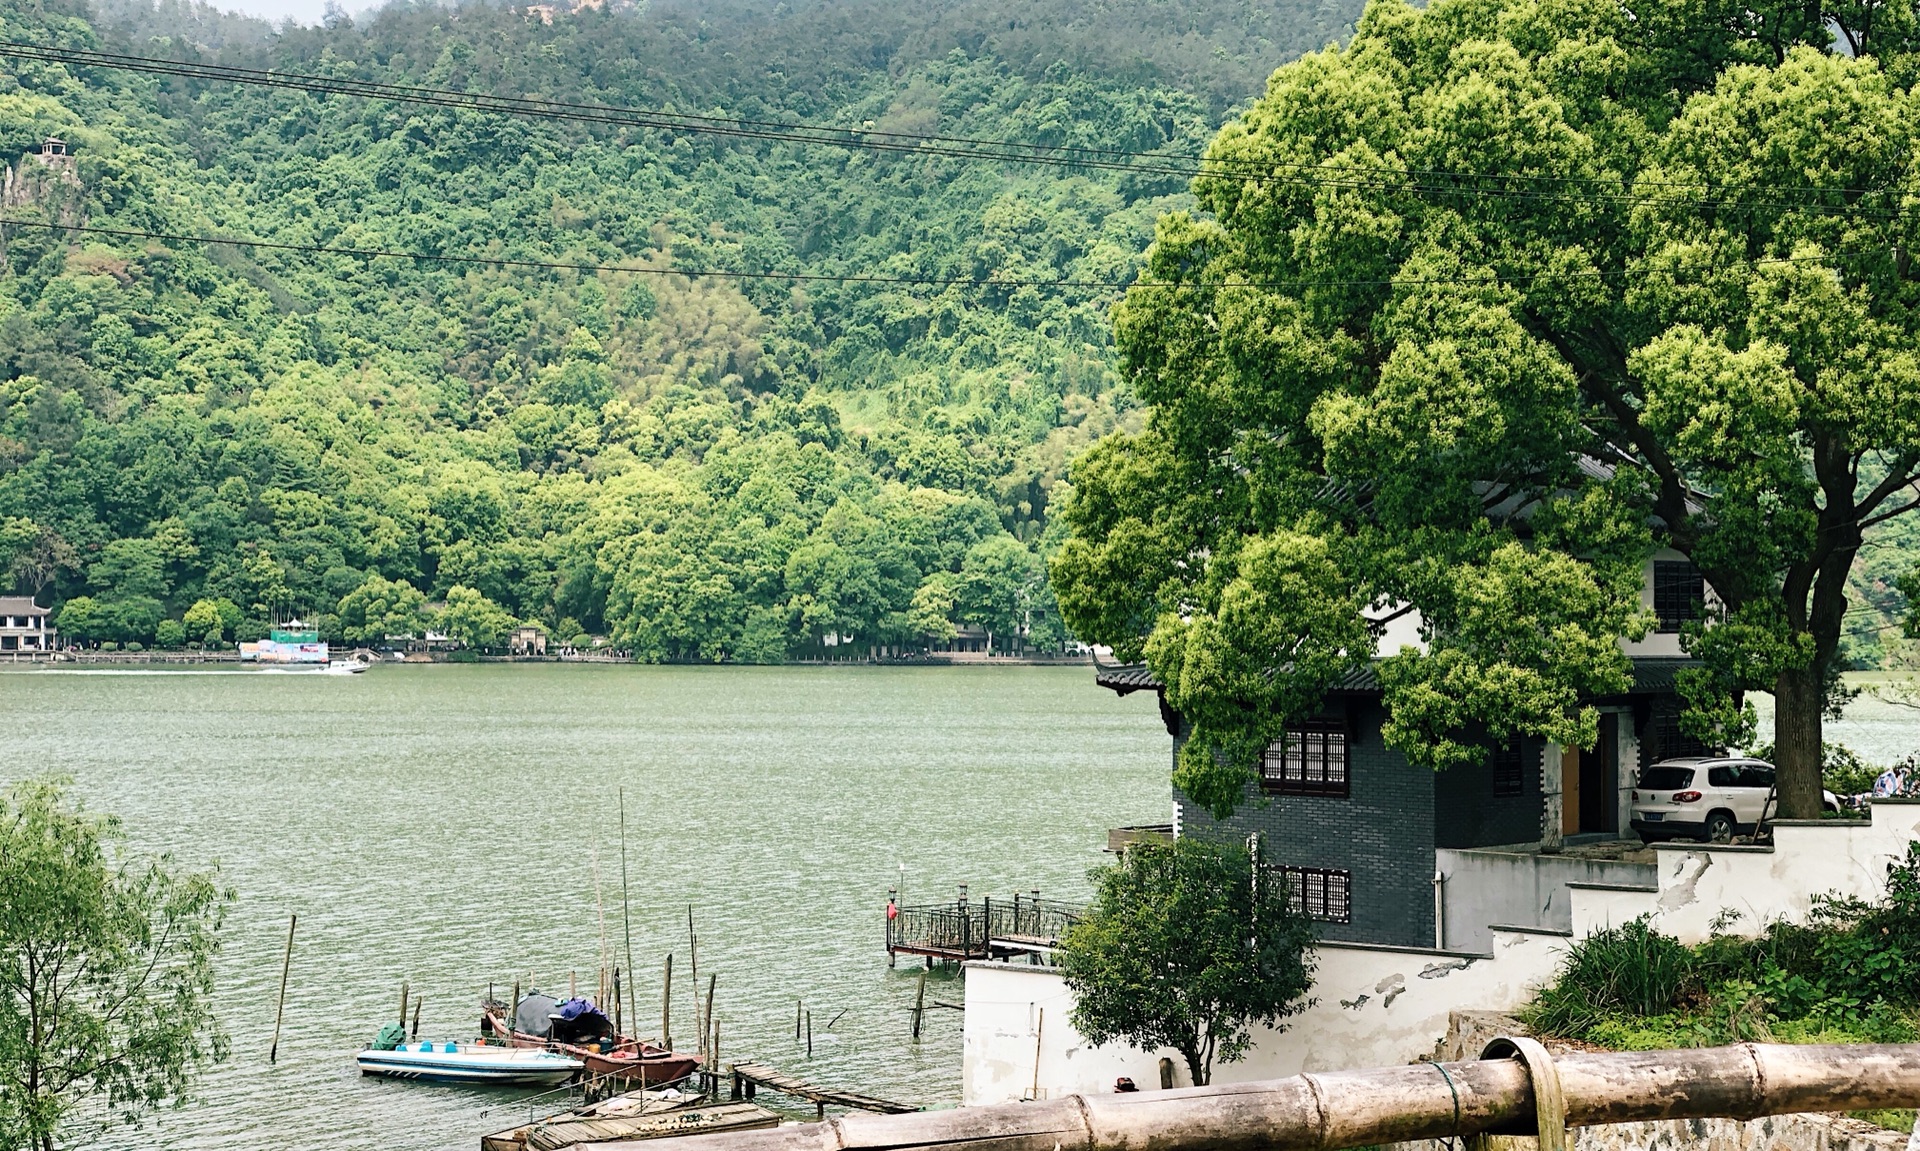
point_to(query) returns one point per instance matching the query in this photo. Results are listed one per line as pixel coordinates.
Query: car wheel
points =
(1720, 827)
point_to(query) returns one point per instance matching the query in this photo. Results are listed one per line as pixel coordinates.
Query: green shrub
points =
(1627, 970)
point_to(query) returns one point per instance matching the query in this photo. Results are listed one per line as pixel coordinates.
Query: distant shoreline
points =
(198, 658)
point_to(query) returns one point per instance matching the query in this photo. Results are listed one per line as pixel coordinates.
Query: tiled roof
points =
(20, 605)
(1651, 676)
(1125, 677)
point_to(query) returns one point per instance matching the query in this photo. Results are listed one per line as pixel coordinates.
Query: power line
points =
(1434, 182)
(1492, 280)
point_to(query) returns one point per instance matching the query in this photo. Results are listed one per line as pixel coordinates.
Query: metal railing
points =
(965, 929)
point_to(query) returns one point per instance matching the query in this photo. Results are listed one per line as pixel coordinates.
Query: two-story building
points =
(24, 626)
(1368, 838)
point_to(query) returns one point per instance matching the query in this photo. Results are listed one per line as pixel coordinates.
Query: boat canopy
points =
(580, 1021)
(533, 1015)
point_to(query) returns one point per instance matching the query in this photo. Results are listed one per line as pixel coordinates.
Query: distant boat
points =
(579, 1030)
(345, 667)
(291, 643)
(450, 1062)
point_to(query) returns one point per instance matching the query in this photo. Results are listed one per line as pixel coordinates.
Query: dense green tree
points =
(106, 969)
(1554, 284)
(996, 587)
(212, 621)
(1187, 945)
(475, 620)
(381, 608)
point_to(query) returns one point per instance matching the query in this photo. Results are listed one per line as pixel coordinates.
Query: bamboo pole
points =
(417, 1002)
(1332, 1110)
(403, 1005)
(286, 965)
(626, 914)
(706, 1017)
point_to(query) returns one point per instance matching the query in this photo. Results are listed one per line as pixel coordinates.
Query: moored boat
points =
(579, 1030)
(450, 1062)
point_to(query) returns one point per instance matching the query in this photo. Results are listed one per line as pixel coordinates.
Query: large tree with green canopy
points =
(1476, 313)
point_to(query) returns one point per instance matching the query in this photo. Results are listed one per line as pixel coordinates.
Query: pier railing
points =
(979, 930)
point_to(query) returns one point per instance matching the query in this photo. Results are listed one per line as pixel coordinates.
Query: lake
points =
(443, 825)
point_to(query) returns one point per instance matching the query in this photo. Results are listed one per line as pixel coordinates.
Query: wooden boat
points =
(604, 1055)
(469, 1063)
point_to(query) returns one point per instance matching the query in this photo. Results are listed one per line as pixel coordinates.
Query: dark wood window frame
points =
(1679, 593)
(1509, 768)
(1315, 759)
(1322, 893)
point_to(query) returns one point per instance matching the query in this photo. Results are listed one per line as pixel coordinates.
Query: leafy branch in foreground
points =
(106, 969)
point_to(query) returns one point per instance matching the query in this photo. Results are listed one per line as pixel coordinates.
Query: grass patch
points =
(1893, 1119)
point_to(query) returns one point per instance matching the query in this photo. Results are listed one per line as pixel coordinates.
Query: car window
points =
(1725, 775)
(1666, 778)
(1756, 775)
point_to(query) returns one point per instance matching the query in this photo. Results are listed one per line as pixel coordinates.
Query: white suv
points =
(1709, 798)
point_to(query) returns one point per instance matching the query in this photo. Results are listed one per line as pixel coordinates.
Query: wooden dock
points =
(619, 1119)
(749, 1076)
(985, 929)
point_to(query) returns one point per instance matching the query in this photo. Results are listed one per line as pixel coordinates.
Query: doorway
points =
(1590, 784)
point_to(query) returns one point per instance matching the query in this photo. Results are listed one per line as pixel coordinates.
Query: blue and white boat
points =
(449, 1062)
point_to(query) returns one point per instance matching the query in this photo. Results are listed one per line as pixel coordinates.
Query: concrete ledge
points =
(1343, 945)
(1644, 890)
(1819, 823)
(1736, 848)
(1517, 929)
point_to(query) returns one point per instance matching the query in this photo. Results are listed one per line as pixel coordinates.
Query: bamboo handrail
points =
(1340, 1109)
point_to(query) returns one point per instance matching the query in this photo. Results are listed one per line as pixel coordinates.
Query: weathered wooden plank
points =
(570, 1131)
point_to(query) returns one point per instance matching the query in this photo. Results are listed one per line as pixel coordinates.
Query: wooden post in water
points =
(919, 1005)
(666, 1006)
(707, 1018)
(403, 1005)
(416, 1015)
(617, 1030)
(809, 1034)
(798, 1004)
(286, 965)
(693, 968)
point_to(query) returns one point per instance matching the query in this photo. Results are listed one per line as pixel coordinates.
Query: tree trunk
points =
(1196, 1065)
(1798, 701)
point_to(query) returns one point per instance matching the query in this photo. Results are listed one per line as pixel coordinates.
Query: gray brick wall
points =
(1468, 814)
(1383, 833)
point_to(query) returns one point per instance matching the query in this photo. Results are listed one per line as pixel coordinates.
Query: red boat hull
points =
(630, 1060)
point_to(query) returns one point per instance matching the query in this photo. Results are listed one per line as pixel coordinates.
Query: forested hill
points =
(195, 436)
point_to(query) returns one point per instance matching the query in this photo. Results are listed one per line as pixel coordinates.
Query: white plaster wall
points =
(1378, 1006)
(1657, 643)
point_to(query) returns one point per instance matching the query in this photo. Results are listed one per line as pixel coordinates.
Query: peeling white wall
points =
(1378, 1006)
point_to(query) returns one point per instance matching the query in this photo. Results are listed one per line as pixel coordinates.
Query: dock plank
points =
(774, 1079)
(588, 1128)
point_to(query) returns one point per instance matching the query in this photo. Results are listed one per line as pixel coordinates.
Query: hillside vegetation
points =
(197, 437)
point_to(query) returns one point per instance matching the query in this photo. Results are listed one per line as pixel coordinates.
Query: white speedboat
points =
(345, 667)
(469, 1063)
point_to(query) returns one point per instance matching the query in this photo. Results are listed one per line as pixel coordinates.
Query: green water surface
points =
(441, 825)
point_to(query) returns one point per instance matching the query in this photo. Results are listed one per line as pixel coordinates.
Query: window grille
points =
(1678, 593)
(1320, 893)
(1312, 760)
(1509, 769)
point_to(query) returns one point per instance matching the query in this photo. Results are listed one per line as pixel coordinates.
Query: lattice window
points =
(1679, 590)
(1312, 760)
(1321, 893)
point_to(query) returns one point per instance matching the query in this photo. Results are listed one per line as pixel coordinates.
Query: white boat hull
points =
(469, 1063)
